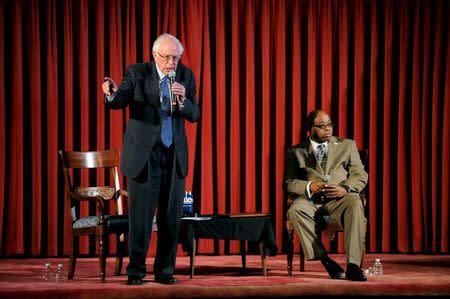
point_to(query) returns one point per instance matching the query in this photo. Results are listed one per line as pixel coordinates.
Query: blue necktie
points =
(166, 118)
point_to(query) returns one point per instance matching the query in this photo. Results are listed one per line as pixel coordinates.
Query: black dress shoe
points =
(334, 270)
(134, 281)
(166, 279)
(354, 273)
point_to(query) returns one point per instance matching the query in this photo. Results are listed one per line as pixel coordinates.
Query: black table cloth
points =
(244, 227)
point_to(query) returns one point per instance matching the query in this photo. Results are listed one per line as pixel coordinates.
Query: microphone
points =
(326, 178)
(171, 76)
(326, 216)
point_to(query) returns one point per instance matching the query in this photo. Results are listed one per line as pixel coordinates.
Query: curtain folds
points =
(381, 69)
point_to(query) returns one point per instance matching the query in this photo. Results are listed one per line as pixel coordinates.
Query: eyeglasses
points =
(324, 126)
(166, 58)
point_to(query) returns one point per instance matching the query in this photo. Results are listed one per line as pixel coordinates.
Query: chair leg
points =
(73, 258)
(262, 252)
(243, 253)
(192, 257)
(102, 255)
(118, 266)
(121, 251)
(302, 259)
(290, 251)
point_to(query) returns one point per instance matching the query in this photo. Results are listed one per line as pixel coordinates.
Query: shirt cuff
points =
(181, 104)
(347, 188)
(309, 194)
(109, 98)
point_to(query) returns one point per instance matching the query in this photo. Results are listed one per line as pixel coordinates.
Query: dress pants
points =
(347, 212)
(159, 188)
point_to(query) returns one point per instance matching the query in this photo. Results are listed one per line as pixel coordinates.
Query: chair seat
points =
(111, 221)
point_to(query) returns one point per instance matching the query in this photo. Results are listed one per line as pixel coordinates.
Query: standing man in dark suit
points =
(160, 96)
(326, 174)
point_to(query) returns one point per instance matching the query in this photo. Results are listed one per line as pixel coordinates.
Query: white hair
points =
(165, 36)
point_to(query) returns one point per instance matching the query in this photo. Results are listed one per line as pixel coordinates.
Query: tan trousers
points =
(348, 213)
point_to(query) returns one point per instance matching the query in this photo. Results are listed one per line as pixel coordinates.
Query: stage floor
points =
(222, 277)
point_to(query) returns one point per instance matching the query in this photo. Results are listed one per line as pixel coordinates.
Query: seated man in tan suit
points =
(326, 174)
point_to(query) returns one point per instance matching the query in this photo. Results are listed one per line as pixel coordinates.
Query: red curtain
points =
(381, 69)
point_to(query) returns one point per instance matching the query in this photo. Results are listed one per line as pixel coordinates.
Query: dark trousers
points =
(158, 187)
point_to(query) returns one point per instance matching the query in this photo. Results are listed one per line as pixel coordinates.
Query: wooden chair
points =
(329, 230)
(101, 224)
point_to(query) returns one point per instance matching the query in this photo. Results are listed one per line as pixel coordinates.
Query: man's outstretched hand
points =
(109, 86)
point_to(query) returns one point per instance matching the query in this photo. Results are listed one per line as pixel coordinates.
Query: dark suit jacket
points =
(344, 166)
(139, 91)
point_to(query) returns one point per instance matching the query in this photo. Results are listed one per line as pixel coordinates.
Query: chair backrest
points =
(108, 159)
(364, 155)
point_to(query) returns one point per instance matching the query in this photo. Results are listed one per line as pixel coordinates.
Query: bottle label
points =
(188, 204)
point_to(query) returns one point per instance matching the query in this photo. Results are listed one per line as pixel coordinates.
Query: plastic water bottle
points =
(47, 272)
(190, 197)
(190, 200)
(188, 203)
(377, 267)
(368, 271)
(185, 203)
(59, 273)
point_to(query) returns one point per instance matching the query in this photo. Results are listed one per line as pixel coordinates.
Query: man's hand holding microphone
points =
(178, 91)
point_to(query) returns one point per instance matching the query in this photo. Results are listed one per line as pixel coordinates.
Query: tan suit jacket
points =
(344, 166)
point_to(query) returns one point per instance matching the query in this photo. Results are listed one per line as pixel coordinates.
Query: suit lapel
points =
(308, 152)
(152, 77)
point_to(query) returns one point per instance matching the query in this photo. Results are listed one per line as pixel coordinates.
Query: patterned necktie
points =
(322, 156)
(166, 118)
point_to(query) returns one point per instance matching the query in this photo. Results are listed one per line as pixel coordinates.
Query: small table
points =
(251, 227)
